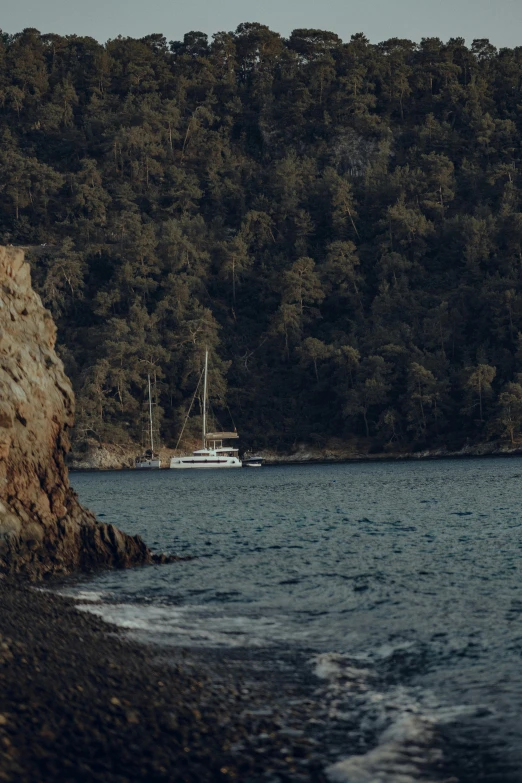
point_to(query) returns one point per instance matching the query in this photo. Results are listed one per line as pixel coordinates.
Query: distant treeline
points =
(340, 223)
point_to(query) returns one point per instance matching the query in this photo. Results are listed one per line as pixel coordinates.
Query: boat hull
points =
(199, 463)
(148, 464)
(252, 462)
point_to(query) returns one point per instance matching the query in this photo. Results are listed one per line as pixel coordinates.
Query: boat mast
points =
(205, 399)
(150, 421)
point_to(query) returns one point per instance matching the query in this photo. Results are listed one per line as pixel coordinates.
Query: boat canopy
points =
(221, 435)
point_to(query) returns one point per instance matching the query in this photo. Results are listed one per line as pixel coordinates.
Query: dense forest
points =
(339, 222)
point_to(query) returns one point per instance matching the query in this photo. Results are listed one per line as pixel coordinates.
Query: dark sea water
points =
(398, 583)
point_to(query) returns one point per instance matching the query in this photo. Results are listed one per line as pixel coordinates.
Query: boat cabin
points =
(214, 441)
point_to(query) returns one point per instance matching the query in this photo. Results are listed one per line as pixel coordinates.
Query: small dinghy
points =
(252, 462)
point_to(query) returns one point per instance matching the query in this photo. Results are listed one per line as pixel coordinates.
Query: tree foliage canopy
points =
(339, 222)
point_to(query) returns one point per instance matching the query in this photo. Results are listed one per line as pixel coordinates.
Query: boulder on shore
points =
(43, 528)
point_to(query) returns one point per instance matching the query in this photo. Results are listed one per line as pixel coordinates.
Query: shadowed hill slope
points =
(338, 222)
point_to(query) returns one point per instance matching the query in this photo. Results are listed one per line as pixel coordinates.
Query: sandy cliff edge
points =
(43, 528)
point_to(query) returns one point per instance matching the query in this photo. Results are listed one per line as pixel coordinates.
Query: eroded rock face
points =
(43, 528)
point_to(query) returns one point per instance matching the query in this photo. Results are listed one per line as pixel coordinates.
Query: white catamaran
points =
(148, 459)
(213, 454)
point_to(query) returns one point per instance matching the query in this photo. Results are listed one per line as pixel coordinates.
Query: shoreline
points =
(308, 456)
(478, 452)
(79, 701)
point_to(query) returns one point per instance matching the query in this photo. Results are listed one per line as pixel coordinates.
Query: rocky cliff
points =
(89, 454)
(43, 528)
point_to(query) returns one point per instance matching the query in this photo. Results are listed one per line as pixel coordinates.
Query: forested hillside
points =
(340, 223)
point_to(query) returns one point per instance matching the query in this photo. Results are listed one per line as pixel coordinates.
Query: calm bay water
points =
(401, 581)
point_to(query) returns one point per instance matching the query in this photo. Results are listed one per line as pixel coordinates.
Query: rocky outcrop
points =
(43, 528)
(339, 453)
(91, 455)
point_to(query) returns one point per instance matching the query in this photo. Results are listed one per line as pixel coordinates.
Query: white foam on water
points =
(404, 720)
(86, 595)
(192, 625)
(95, 596)
(330, 667)
(402, 753)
